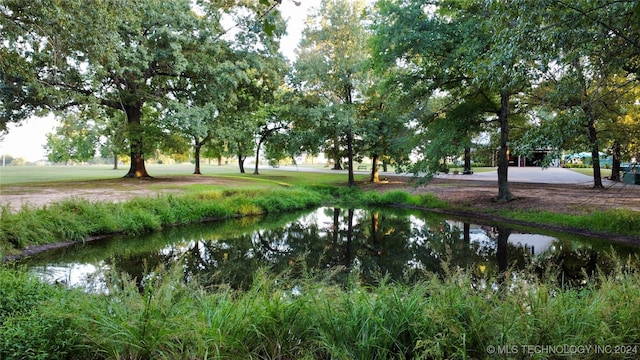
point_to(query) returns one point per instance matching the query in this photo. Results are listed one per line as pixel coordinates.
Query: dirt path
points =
(563, 198)
(38, 195)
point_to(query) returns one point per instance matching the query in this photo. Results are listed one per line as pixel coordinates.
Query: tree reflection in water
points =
(399, 245)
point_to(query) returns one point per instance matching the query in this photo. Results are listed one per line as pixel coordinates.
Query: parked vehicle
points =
(631, 174)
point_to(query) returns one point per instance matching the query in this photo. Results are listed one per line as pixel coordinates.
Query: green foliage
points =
(74, 140)
(138, 324)
(33, 321)
(309, 318)
(77, 219)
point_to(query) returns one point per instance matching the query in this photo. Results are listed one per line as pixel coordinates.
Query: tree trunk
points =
(115, 160)
(219, 160)
(374, 169)
(352, 181)
(336, 155)
(591, 129)
(241, 163)
(375, 239)
(375, 225)
(255, 171)
(348, 257)
(615, 164)
(502, 250)
(198, 146)
(467, 161)
(137, 168)
(336, 226)
(503, 162)
(595, 154)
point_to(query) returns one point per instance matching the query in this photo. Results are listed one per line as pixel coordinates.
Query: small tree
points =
(331, 65)
(74, 140)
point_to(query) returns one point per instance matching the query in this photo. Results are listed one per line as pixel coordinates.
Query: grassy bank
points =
(281, 318)
(221, 194)
(622, 222)
(79, 219)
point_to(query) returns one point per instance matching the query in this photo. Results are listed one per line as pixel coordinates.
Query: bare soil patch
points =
(38, 195)
(560, 198)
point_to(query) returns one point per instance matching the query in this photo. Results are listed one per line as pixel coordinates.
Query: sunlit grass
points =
(589, 171)
(96, 176)
(77, 219)
(15, 175)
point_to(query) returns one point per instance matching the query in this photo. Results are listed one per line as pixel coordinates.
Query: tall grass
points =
(77, 219)
(33, 319)
(285, 318)
(614, 221)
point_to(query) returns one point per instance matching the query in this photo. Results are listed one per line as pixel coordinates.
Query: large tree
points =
(591, 53)
(385, 134)
(197, 123)
(450, 48)
(576, 49)
(75, 140)
(121, 55)
(331, 63)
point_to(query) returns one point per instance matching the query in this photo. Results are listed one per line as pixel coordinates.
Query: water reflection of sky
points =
(75, 275)
(536, 244)
(411, 240)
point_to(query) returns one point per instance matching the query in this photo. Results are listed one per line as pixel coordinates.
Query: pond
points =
(398, 244)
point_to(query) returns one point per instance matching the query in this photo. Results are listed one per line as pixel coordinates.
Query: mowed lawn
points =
(589, 171)
(62, 175)
(15, 175)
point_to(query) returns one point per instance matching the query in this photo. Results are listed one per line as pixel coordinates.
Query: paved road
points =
(534, 175)
(516, 174)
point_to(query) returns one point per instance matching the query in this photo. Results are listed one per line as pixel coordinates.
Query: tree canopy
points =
(414, 83)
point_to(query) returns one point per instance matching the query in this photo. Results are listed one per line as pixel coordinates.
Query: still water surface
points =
(401, 245)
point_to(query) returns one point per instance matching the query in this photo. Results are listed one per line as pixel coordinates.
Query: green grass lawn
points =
(28, 174)
(589, 171)
(20, 175)
(56, 174)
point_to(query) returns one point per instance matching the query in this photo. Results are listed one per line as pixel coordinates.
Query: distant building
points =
(534, 158)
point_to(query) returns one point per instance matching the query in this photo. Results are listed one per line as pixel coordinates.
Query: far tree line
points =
(410, 84)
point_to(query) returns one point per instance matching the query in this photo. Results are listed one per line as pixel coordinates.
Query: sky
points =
(27, 139)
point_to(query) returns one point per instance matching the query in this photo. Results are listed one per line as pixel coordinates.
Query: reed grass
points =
(281, 317)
